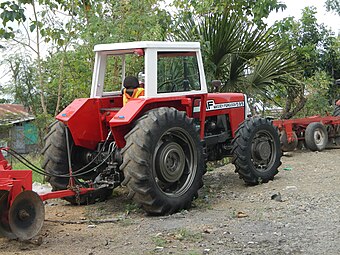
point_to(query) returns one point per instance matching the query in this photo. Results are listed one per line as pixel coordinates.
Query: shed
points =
(17, 129)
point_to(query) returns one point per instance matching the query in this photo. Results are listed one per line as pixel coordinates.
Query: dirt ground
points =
(228, 218)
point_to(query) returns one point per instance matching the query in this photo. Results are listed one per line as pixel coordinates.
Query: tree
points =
(252, 11)
(23, 74)
(240, 54)
(333, 5)
(12, 11)
(316, 51)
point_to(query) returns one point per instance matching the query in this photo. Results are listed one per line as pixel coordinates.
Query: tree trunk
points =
(60, 85)
(288, 114)
(41, 81)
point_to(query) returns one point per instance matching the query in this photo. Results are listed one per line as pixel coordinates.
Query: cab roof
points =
(148, 44)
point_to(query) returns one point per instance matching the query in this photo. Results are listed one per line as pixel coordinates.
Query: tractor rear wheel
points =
(256, 151)
(163, 161)
(316, 136)
(56, 163)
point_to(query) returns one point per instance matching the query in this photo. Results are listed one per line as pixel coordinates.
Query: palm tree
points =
(237, 52)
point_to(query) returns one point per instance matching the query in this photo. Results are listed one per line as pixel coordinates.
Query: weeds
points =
(35, 160)
(159, 241)
(218, 163)
(187, 235)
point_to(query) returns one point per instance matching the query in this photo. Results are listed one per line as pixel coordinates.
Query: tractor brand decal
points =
(211, 106)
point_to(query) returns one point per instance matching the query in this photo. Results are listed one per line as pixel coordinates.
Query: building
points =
(17, 129)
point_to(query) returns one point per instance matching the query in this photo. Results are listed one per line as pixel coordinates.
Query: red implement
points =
(21, 209)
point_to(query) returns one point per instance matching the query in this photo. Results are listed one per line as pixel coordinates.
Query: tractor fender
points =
(124, 120)
(83, 120)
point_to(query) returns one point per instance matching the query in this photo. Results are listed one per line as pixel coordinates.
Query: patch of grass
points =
(127, 222)
(187, 235)
(204, 198)
(159, 241)
(35, 160)
(132, 207)
(218, 163)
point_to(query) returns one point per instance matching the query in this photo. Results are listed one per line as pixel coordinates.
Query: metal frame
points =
(292, 125)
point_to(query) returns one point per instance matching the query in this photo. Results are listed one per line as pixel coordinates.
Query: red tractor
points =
(156, 133)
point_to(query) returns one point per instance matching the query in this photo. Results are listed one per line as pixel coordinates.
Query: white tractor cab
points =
(169, 68)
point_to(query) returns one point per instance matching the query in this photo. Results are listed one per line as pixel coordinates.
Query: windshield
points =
(177, 71)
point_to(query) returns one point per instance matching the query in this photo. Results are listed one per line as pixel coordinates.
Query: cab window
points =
(177, 72)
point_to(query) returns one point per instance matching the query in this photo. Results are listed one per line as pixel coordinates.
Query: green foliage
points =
(24, 82)
(35, 159)
(310, 41)
(333, 5)
(317, 94)
(10, 11)
(316, 49)
(252, 11)
(159, 241)
(240, 54)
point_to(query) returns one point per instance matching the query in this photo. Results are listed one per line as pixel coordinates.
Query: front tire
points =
(256, 151)
(163, 161)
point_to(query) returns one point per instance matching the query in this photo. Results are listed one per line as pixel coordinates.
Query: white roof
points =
(147, 44)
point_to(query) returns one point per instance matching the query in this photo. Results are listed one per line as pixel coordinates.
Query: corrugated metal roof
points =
(14, 113)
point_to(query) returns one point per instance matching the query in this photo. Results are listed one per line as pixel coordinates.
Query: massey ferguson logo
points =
(211, 106)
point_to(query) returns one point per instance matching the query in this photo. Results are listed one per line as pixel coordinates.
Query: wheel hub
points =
(318, 137)
(170, 162)
(263, 150)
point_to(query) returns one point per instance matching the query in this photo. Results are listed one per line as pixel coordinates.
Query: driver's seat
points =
(131, 89)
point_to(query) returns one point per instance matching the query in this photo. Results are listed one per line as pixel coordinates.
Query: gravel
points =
(297, 213)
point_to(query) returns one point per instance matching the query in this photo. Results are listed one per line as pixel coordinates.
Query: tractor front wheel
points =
(256, 151)
(163, 161)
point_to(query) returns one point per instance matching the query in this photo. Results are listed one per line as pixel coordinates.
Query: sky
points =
(294, 8)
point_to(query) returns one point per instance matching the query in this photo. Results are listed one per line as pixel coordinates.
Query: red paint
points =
(299, 125)
(90, 119)
(64, 193)
(17, 181)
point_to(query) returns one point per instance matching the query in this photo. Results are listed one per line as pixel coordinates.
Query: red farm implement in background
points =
(315, 132)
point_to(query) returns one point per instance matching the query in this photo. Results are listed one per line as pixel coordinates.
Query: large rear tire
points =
(56, 163)
(256, 151)
(163, 161)
(316, 136)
